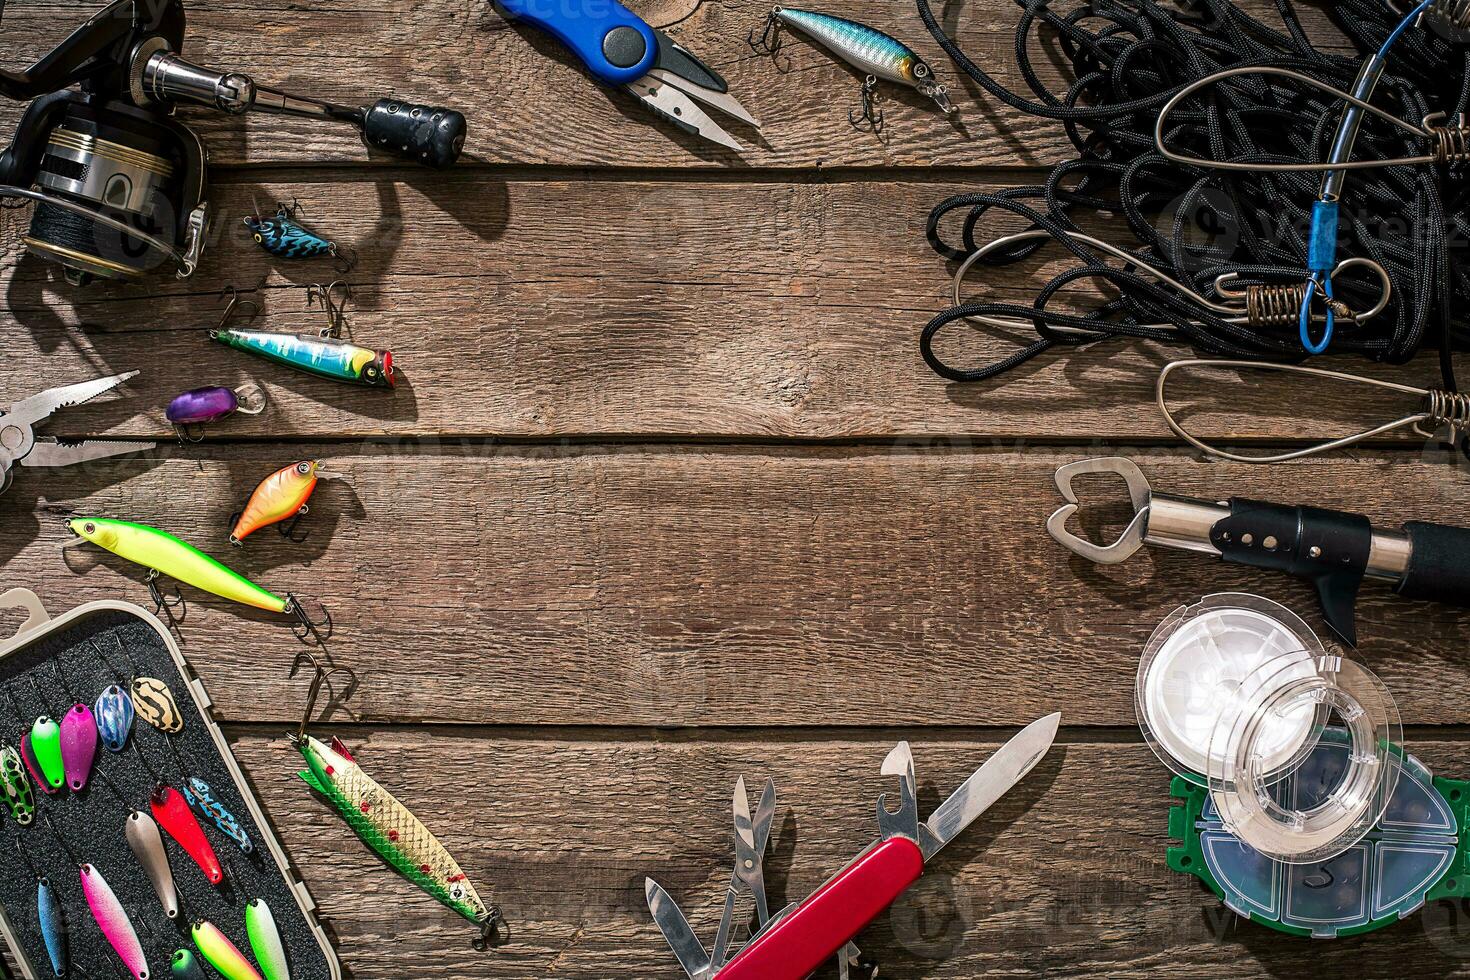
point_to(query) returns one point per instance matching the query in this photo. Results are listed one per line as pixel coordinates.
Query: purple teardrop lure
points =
(28, 755)
(78, 745)
(202, 405)
(114, 713)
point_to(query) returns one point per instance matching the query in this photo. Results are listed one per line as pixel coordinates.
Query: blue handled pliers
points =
(619, 48)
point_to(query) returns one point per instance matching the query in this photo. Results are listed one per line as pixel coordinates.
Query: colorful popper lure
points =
(162, 552)
(202, 406)
(114, 714)
(281, 495)
(172, 813)
(53, 926)
(114, 922)
(221, 954)
(78, 745)
(201, 797)
(41, 747)
(283, 236)
(184, 966)
(388, 827)
(265, 941)
(147, 845)
(324, 357)
(17, 789)
(155, 704)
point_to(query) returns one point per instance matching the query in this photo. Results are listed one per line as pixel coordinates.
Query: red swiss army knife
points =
(797, 940)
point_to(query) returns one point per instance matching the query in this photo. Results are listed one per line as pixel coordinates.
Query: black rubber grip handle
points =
(431, 135)
(1439, 567)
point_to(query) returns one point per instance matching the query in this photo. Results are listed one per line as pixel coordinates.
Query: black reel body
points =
(119, 184)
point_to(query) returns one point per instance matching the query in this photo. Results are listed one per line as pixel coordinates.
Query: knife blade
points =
(989, 783)
(692, 955)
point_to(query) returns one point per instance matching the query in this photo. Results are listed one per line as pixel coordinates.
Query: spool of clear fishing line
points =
(1195, 662)
(1234, 692)
(1258, 800)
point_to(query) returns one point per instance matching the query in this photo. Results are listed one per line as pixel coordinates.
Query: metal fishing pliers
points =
(19, 444)
(619, 48)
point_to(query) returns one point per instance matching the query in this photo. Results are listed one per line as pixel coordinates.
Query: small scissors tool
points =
(19, 444)
(620, 49)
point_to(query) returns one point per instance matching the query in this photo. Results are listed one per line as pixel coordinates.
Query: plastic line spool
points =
(1234, 693)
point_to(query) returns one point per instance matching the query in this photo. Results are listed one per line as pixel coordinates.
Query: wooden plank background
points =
(669, 497)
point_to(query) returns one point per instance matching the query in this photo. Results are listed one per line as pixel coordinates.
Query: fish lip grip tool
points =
(797, 940)
(1334, 550)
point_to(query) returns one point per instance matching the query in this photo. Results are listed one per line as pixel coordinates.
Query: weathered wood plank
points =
(1064, 877)
(681, 586)
(529, 102)
(564, 307)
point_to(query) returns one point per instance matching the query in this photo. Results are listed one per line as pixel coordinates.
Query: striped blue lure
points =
(325, 357)
(867, 49)
(282, 235)
(114, 714)
(202, 798)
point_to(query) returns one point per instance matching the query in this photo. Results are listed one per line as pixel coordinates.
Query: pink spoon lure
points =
(113, 919)
(78, 745)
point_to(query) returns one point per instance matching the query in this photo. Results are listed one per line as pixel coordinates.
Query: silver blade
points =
(989, 783)
(41, 406)
(723, 101)
(49, 452)
(671, 103)
(675, 928)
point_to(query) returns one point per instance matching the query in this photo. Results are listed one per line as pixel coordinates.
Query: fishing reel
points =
(119, 184)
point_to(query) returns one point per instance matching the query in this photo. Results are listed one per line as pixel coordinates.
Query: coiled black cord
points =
(1127, 58)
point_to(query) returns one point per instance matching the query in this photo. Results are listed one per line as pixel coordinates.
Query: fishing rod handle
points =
(1439, 563)
(426, 134)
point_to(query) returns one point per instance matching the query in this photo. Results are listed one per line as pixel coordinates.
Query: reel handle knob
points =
(431, 135)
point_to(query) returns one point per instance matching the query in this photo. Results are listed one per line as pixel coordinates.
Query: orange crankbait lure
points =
(280, 496)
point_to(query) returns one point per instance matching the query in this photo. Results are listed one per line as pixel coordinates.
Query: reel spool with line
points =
(119, 185)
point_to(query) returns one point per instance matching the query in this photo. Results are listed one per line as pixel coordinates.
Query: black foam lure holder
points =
(92, 820)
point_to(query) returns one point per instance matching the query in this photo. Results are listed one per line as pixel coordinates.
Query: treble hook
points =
(770, 39)
(336, 311)
(232, 294)
(494, 930)
(318, 680)
(309, 631)
(872, 119)
(165, 604)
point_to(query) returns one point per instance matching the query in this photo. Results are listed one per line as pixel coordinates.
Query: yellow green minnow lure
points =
(387, 826)
(163, 554)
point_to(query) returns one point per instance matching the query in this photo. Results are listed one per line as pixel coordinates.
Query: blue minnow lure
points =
(325, 357)
(865, 48)
(202, 798)
(282, 235)
(53, 925)
(114, 713)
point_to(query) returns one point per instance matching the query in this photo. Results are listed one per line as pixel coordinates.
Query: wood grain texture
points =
(682, 586)
(563, 307)
(1064, 877)
(529, 102)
